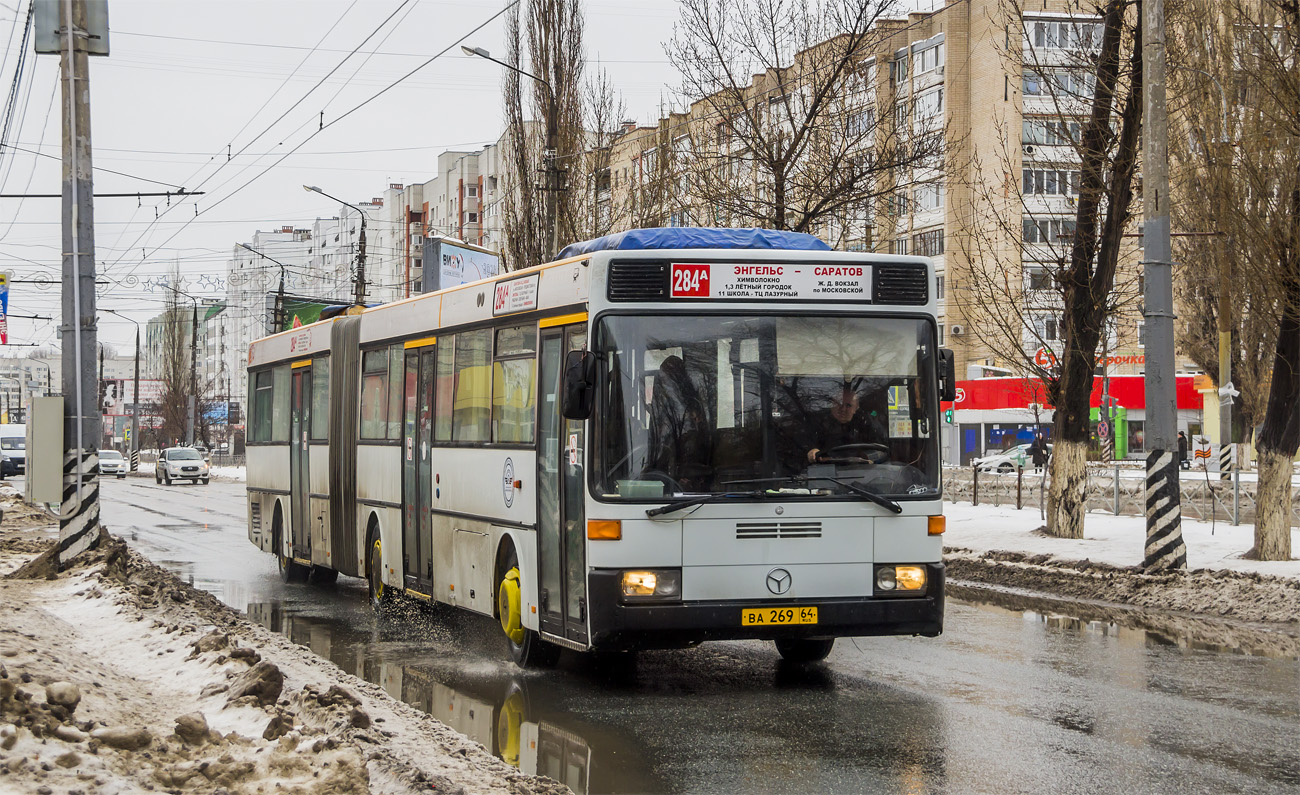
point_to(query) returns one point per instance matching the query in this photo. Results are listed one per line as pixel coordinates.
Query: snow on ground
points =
(116, 677)
(1116, 540)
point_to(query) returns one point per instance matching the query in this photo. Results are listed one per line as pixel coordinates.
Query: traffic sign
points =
(1103, 430)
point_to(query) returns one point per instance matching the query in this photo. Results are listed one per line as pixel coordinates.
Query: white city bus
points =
(670, 436)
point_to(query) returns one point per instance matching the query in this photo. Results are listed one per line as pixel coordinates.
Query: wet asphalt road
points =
(1005, 701)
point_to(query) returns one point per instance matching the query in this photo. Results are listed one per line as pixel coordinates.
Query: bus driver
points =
(845, 423)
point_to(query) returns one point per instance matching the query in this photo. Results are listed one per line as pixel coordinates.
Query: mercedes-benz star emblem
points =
(778, 581)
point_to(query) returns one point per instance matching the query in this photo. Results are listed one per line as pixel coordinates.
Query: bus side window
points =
(396, 376)
(260, 402)
(471, 413)
(320, 398)
(374, 394)
(446, 380)
(280, 404)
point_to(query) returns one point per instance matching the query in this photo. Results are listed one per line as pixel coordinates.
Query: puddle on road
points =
(1159, 629)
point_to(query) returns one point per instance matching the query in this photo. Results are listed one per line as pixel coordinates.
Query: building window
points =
(928, 196)
(938, 288)
(898, 246)
(1038, 277)
(941, 330)
(1050, 231)
(1050, 132)
(1063, 34)
(1049, 182)
(928, 244)
(929, 104)
(471, 191)
(928, 59)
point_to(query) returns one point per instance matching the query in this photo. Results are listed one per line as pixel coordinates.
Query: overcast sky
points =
(187, 79)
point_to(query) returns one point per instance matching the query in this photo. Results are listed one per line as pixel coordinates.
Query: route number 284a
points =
(690, 281)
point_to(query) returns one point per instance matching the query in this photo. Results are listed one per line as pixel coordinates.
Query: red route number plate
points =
(690, 281)
(777, 616)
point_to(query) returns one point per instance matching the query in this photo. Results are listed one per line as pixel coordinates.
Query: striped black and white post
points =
(1164, 549)
(1227, 460)
(80, 531)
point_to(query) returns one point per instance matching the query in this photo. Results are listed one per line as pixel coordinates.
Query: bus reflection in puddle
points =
(495, 712)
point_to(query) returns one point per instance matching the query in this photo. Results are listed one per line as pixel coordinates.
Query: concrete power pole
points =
(1164, 545)
(79, 512)
(190, 421)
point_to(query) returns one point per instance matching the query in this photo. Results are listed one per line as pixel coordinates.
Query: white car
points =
(181, 463)
(111, 462)
(1008, 460)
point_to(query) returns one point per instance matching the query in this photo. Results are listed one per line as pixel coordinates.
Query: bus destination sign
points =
(768, 281)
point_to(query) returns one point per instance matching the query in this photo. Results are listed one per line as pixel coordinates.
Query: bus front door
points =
(417, 470)
(299, 483)
(561, 517)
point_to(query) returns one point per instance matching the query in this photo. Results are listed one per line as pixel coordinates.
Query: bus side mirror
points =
(578, 389)
(947, 376)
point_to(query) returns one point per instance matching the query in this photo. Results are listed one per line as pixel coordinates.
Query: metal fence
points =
(1120, 491)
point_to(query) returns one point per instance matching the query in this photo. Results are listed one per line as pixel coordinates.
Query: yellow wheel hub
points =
(379, 569)
(510, 607)
(509, 723)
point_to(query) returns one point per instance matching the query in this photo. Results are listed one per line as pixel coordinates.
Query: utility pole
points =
(552, 174)
(361, 263)
(79, 511)
(190, 421)
(1164, 545)
(134, 448)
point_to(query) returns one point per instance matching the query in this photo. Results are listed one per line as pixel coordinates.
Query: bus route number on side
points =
(690, 281)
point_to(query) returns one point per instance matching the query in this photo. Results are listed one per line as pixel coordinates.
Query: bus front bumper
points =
(615, 625)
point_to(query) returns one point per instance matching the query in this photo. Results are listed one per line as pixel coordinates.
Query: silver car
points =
(111, 462)
(181, 463)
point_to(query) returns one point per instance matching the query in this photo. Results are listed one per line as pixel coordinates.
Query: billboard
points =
(449, 262)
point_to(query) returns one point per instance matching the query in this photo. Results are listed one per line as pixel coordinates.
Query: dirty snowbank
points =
(116, 677)
(1001, 546)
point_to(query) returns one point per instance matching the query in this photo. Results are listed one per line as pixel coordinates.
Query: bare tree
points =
(1264, 63)
(787, 126)
(1045, 288)
(174, 400)
(544, 40)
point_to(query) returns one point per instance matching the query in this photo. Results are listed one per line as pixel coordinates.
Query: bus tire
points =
(381, 597)
(527, 648)
(805, 650)
(290, 570)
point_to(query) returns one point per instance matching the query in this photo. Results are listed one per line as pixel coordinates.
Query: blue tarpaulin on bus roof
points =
(696, 237)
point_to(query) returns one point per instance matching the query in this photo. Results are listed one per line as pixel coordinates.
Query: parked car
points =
(1008, 460)
(13, 443)
(111, 462)
(181, 463)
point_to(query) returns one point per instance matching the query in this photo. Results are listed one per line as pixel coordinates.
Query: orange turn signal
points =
(604, 529)
(936, 527)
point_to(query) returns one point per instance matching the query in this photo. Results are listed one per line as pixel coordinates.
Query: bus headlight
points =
(652, 585)
(900, 579)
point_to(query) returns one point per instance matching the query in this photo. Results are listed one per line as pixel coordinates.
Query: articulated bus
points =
(664, 437)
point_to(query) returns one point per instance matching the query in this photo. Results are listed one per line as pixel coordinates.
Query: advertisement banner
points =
(722, 280)
(448, 263)
(4, 308)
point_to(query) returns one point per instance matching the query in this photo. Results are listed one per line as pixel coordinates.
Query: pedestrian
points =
(1038, 453)
(1182, 452)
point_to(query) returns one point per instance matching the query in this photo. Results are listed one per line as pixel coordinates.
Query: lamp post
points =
(549, 166)
(133, 449)
(277, 318)
(360, 280)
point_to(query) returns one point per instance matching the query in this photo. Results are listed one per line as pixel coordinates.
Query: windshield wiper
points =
(700, 500)
(871, 496)
(883, 502)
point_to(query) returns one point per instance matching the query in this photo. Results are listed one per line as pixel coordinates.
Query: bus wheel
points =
(805, 650)
(510, 722)
(527, 648)
(290, 570)
(380, 596)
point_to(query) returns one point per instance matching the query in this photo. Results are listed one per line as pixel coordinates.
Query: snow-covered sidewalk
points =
(1116, 540)
(1001, 547)
(116, 677)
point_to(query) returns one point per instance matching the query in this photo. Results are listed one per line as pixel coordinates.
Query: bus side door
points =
(561, 515)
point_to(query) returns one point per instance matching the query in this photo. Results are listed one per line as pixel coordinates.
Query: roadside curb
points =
(1239, 596)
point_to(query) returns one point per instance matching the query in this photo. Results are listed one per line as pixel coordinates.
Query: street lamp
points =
(548, 153)
(133, 451)
(360, 280)
(277, 319)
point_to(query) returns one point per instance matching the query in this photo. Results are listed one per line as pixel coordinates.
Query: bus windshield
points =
(816, 406)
